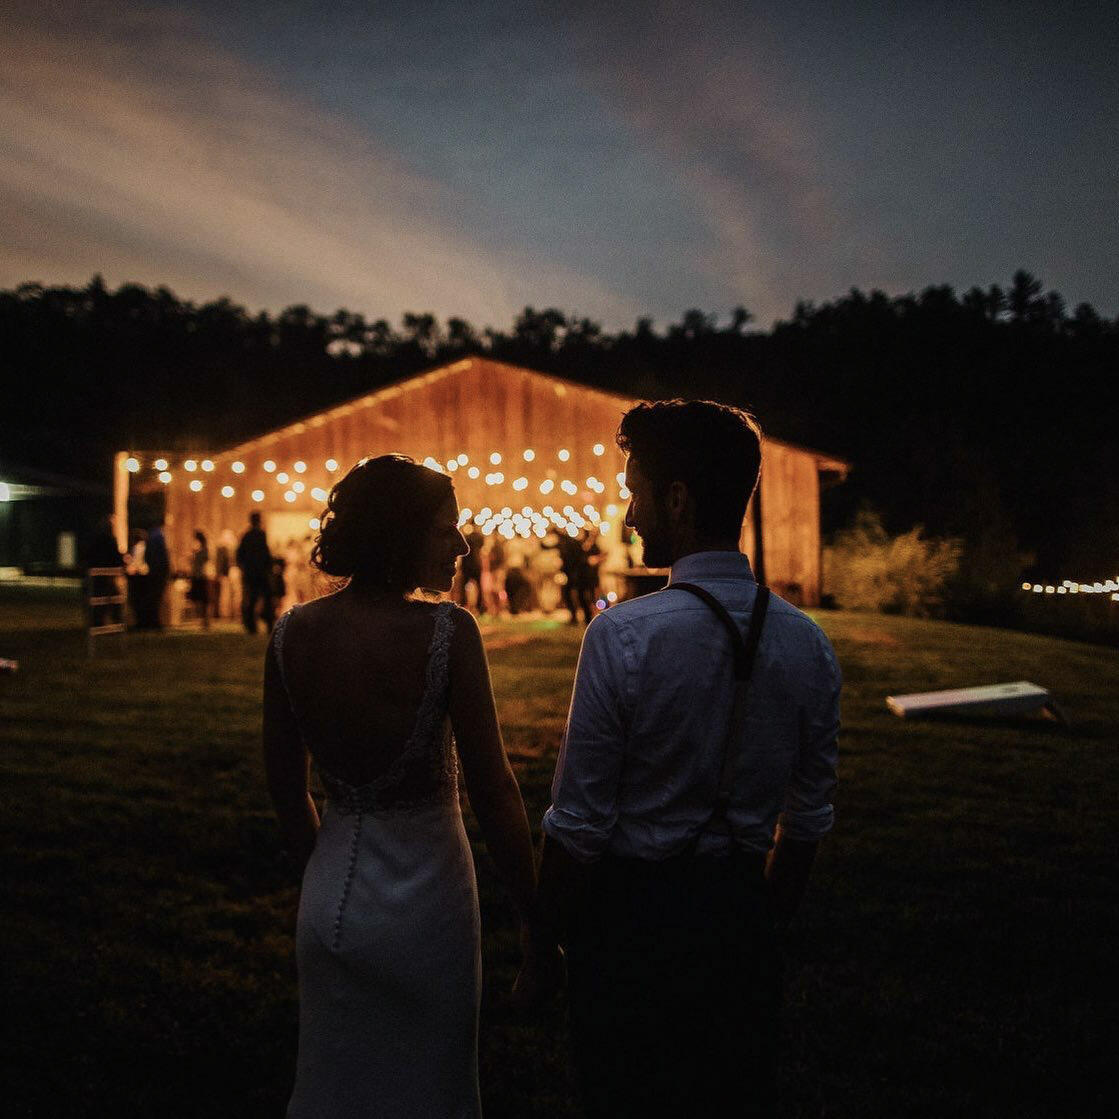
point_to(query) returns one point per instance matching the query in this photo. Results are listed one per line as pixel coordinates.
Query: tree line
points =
(984, 416)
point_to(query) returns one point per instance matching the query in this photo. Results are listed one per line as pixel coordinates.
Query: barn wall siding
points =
(475, 408)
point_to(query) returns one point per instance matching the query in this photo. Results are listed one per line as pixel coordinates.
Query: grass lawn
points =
(952, 957)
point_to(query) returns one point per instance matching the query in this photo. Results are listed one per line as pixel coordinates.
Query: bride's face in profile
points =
(442, 549)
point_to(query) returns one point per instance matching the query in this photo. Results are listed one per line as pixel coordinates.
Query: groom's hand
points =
(543, 971)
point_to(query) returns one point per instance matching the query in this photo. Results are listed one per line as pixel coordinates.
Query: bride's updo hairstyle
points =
(377, 521)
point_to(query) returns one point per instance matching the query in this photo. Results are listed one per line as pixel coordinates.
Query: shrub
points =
(867, 569)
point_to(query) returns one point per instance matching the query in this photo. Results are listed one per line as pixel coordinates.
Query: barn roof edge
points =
(824, 461)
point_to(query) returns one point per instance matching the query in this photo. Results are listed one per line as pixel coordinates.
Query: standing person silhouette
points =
(470, 570)
(690, 792)
(158, 561)
(255, 561)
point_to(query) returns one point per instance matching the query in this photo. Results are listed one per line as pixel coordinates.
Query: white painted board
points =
(995, 699)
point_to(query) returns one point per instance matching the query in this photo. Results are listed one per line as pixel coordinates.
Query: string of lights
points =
(526, 523)
(1069, 586)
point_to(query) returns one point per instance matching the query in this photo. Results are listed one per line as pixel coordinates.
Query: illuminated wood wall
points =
(474, 409)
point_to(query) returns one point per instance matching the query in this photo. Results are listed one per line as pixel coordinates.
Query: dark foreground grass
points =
(952, 958)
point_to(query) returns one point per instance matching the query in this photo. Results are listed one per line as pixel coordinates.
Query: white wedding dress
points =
(387, 939)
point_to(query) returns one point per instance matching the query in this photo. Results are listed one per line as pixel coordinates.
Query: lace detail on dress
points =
(425, 772)
(278, 644)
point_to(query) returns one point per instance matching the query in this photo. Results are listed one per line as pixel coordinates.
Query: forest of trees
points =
(986, 416)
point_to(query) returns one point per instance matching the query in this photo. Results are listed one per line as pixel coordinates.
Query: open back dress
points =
(387, 938)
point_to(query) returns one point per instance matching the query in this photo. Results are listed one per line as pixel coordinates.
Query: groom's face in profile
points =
(647, 517)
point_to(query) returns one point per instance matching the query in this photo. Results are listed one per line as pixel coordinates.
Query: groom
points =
(666, 907)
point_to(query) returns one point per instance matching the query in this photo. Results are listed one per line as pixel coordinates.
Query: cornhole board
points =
(1019, 698)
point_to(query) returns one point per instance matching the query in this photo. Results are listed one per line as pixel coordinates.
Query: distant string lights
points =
(526, 523)
(1069, 586)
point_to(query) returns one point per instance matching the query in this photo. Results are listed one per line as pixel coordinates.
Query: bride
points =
(370, 683)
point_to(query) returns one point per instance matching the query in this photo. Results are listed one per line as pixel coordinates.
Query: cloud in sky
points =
(699, 92)
(637, 158)
(136, 148)
(875, 146)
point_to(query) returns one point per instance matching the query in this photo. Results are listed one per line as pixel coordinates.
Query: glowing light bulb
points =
(299, 487)
(196, 485)
(227, 491)
(313, 524)
(165, 476)
(190, 465)
(529, 454)
(462, 460)
(238, 468)
(282, 478)
(207, 465)
(599, 449)
(299, 466)
(318, 493)
(547, 485)
(289, 495)
(269, 466)
(473, 472)
(258, 495)
(160, 464)
(564, 455)
(452, 465)
(520, 483)
(568, 486)
(331, 465)
(132, 465)
(495, 459)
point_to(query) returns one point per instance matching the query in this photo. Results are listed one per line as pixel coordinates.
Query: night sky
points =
(610, 159)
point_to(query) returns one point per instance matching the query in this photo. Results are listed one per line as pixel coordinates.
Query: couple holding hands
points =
(693, 785)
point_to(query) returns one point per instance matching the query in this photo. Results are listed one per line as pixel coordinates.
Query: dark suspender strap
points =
(744, 651)
(744, 654)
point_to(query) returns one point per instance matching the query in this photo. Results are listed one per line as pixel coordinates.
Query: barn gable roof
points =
(824, 462)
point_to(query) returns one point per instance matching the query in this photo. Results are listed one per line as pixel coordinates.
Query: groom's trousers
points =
(674, 988)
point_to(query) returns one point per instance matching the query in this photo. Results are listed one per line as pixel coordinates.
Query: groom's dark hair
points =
(714, 449)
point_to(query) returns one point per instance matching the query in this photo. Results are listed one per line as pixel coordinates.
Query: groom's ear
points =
(676, 501)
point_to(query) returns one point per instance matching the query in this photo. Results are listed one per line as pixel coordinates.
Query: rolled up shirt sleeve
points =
(808, 811)
(584, 806)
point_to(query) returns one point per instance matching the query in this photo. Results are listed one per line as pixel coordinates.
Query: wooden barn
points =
(529, 453)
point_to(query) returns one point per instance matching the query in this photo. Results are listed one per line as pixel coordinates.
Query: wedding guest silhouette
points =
(254, 558)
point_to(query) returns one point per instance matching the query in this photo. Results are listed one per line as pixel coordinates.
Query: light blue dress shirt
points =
(639, 766)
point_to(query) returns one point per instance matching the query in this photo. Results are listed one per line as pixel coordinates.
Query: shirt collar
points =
(711, 565)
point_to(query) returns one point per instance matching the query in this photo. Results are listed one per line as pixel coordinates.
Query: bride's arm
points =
(491, 785)
(288, 768)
